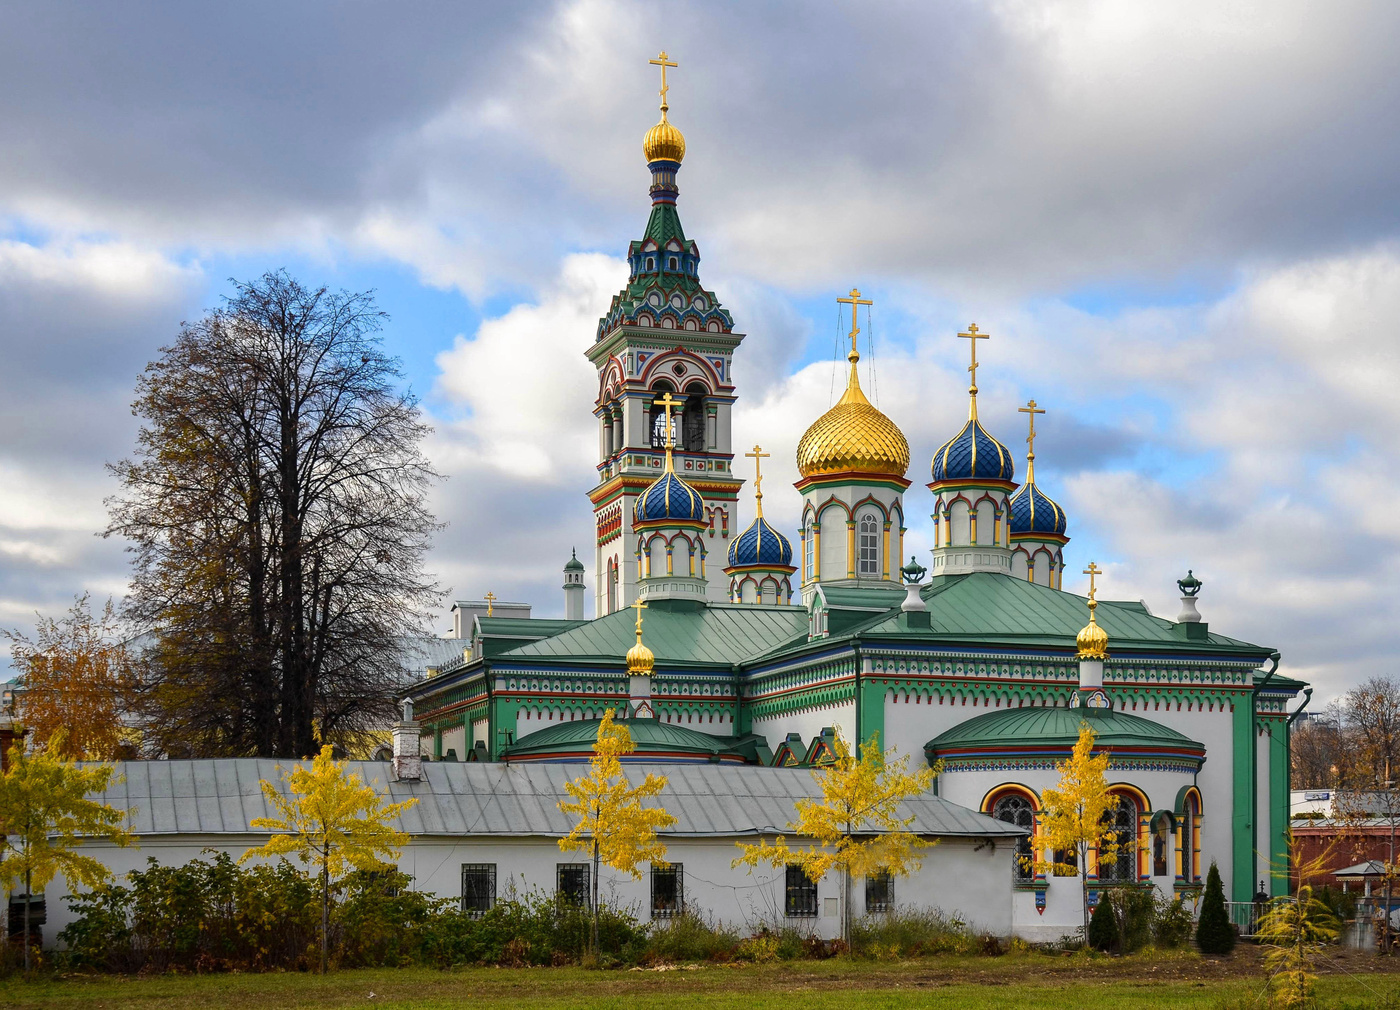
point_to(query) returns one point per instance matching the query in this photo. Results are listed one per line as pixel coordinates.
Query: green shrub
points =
(911, 932)
(1172, 925)
(690, 937)
(1215, 934)
(1103, 926)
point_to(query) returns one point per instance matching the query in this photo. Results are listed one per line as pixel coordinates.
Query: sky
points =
(1180, 223)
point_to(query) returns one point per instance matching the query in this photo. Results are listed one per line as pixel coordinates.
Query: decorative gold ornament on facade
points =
(853, 436)
(1092, 640)
(640, 660)
(663, 141)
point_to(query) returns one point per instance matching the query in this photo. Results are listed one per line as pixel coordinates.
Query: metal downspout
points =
(1288, 769)
(1254, 767)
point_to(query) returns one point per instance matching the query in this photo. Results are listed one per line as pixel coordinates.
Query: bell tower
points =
(664, 337)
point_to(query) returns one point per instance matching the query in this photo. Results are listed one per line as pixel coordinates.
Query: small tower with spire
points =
(663, 335)
(1092, 645)
(641, 664)
(573, 588)
(760, 559)
(1037, 523)
(973, 477)
(668, 521)
(852, 461)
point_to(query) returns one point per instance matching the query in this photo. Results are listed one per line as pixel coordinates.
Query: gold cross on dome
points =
(854, 301)
(758, 455)
(663, 61)
(639, 606)
(1031, 409)
(973, 335)
(667, 402)
(490, 599)
(1092, 571)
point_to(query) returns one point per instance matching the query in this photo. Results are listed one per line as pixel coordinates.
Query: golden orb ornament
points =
(664, 142)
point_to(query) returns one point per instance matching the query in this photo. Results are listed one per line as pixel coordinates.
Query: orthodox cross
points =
(490, 599)
(974, 336)
(1092, 571)
(854, 301)
(663, 61)
(639, 606)
(667, 402)
(758, 455)
(1031, 409)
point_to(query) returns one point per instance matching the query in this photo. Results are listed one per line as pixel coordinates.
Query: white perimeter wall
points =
(955, 877)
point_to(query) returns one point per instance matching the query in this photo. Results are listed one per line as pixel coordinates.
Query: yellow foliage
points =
(855, 826)
(331, 819)
(1075, 816)
(612, 824)
(1294, 930)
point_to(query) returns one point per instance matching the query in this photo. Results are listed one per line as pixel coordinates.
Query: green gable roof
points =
(716, 635)
(653, 740)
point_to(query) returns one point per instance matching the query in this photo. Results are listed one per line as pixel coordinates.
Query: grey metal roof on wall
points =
(222, 796)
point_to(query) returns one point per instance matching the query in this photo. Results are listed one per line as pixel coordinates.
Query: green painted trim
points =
(1278, 807)
(872, 709)
(1242, 803)
(503, 712)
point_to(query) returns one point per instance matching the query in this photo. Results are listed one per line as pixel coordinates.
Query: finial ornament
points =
(640, 659)
(972, 336)
(1190, 585)
(758, 455)
(1031, 409)
(490, 599)
(913, 572)
(663, 61)
(1092, 640)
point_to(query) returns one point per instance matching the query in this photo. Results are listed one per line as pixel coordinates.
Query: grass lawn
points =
(1024, 981)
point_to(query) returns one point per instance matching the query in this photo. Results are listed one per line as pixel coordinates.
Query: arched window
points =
(869, 544)
(651, 262)
(1160, 828)
(693, 426)
(811, 552)
(1122, 867)
(1190, 826)
(658, 417)
(1016, 809)
(673, 263)
(612, 585)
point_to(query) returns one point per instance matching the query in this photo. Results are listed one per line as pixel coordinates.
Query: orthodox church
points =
(737, 645)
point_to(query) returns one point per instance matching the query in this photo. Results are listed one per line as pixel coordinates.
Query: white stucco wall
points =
(808, 722)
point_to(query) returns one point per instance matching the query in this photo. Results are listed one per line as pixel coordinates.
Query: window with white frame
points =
(811, 548)
(869, 545)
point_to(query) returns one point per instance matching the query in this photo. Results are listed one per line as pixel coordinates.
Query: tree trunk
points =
(596, 862)
(846, 908)
(325, 908)
(28, 898)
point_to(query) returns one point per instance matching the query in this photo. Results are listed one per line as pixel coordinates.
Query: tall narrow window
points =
(478, 887)
(1121, 868)
(811, 547)
(1016, 809)
(869, 545)
(667, 891)
(693, 419)
(1159, 848)
(800, 897)
(879, 893)
(571, 885)
(612, 586)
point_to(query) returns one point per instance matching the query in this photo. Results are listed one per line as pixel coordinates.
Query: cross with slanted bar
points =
(667, 402)
(639, 606)
(757, 456)
(1031, 409)
(1092, 571)
(854, 301)
(490, 599)
(973, 335)
(663, 61)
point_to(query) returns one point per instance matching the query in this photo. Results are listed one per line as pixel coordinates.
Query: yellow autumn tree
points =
(46, 813)
(1294, 931)
(612, 825)
(76, 675)
(1076, 815)
(855, 826)
(331, 819)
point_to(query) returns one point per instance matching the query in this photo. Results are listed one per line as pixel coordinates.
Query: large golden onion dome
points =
(853, 436)
(664, 142)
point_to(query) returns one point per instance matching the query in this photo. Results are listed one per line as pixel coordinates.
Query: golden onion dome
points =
(640, 659)
(1092, 640)
(664, 142)
(853, 436)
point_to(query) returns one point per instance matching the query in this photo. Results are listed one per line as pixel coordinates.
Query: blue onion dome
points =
(972, 454)
(760, 544)
(670, 499)
(1033, 511)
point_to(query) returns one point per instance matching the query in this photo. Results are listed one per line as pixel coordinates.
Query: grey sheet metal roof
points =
(222, 796)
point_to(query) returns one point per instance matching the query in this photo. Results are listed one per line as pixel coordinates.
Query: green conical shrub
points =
(1103, 926)
(1214, 932)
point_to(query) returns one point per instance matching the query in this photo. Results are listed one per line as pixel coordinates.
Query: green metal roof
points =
(653, 740)
(1058, 727)
(1002, 609)
(716, 635)
(523, 627)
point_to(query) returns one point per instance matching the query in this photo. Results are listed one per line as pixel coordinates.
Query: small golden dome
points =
(853, 436)
(1092, 640)
(664, 142)
(640, 660)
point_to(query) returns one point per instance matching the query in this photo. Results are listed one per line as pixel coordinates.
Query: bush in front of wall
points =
(1103, 926)
(1215, 934)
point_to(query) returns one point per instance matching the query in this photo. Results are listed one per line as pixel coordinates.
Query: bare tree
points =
(1373, 714)
(277, 510)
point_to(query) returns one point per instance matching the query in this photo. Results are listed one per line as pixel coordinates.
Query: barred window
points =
(869, 545)
(1016, 809)
(667, 891)
(1122, 867)
(801, 894)
(478, 887)
(879, 893)
(571, 885)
